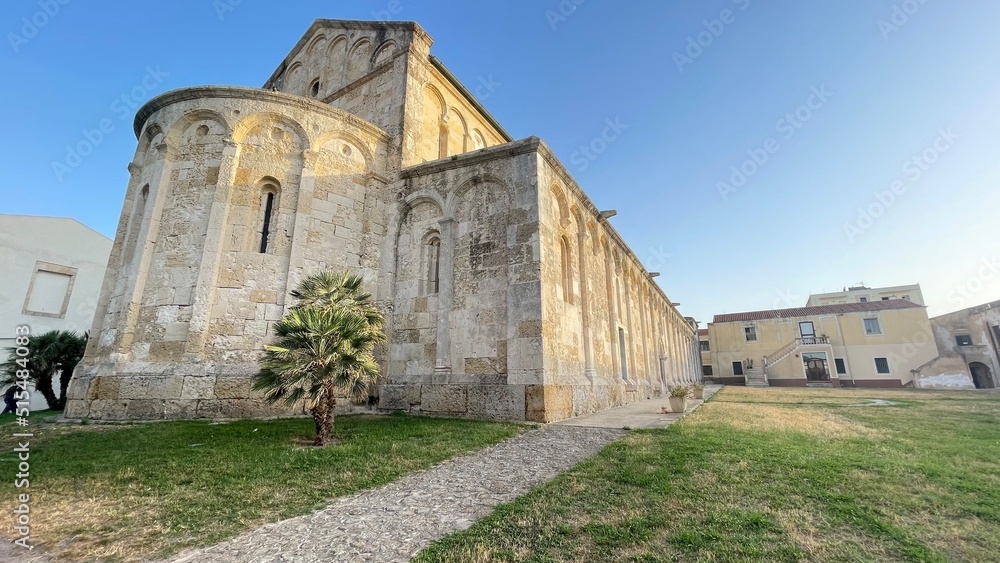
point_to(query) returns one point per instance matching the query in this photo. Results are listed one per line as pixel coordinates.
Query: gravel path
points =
(394, 522)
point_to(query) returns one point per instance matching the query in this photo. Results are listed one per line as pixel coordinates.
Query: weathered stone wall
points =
(463, 268)
(191, 293)
(449, 124)
(981, 326)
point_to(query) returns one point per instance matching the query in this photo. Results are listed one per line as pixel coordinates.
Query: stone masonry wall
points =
(190, 297)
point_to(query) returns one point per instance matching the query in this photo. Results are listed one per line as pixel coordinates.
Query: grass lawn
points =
(771, 475)
(112, 493)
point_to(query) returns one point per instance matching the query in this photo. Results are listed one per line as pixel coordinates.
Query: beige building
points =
(705, 348)
(862, 294)
(968, 342)
(52, 273)
(868, 344)
(508, 294)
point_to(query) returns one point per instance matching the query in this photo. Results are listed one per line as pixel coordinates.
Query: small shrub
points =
(680, 391)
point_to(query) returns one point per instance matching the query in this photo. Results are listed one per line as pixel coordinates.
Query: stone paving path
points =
(395, 521)
(641, 414)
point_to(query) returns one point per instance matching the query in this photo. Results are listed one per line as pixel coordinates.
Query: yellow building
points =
(706, 353)
(869, 344)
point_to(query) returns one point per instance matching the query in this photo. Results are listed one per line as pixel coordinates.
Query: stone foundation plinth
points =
(169, 397)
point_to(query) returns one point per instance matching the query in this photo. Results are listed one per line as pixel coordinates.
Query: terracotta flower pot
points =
(678, 404)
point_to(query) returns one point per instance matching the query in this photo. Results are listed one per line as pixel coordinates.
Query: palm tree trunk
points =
(43, 385)
(323, 416)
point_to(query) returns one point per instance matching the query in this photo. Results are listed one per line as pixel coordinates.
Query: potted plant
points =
(699, 391)
(678, 399)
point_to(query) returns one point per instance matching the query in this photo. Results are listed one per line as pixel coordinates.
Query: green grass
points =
(104, 492)
(770, 475)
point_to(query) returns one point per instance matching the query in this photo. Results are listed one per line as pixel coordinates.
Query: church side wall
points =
(610, 336)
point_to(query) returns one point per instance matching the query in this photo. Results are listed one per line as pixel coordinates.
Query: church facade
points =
(507, 294)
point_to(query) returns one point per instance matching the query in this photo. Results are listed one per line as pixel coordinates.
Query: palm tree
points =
(325, 347)
(330, 291)
(49, 353)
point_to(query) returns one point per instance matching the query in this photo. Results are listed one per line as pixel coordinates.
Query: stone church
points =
(507, 293)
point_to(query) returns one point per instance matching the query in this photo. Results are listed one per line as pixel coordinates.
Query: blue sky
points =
(764, 150)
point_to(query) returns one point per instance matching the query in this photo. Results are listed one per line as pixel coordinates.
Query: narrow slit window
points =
(434, 265)
(266, 226)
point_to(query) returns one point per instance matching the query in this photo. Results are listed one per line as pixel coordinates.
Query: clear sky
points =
(760, 151)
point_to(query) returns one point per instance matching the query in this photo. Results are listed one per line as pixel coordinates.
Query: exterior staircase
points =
(755, 377)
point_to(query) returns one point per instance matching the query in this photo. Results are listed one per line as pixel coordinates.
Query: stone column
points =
(446, 294)
(145, 242)
(218, 222)
(588, 352)
(300, 227)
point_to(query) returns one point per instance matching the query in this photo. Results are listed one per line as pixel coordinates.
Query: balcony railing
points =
(812, 340)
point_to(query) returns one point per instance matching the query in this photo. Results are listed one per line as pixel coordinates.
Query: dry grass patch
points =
(776, 418)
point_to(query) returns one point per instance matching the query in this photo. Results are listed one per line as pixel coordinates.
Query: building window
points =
(49, 290)
(885, 299)
(704, 346)
(863, 300)
(907, 297)
(872, 326)
(265, 231)
(622, 353)
(314, 88)
(433, 261)
(567, 272)
(806, 329)
(881, 365)
(737, 368)
(706, 370)
(963, 340)
(750, 333)
(841, 368)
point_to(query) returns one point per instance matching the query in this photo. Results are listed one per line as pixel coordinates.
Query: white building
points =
(53, 268)
(862, 294)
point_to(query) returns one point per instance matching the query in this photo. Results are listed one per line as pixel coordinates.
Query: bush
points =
(681, 391)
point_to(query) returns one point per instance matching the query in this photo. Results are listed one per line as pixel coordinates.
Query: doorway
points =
(981, 375)
(816, 367)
